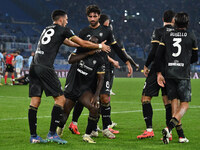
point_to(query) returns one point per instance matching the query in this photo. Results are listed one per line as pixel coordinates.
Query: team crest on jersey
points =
(94, 62)
(100, 34)
(88, 36)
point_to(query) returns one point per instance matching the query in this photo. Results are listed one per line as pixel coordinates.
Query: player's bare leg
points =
(178, 111)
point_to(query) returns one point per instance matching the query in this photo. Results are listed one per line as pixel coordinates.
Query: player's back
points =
(179, 45)
(50, 40)
(19, 61)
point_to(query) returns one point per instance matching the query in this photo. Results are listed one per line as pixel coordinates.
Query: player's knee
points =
(146, 99)
(35, 102)
(93, 111)
(60, 100)
(105, 99)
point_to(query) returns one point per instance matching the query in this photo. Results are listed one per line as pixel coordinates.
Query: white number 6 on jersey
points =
(177, 44)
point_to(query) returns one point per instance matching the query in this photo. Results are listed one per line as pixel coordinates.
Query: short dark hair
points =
(56, 14)
(93, 9)
(181, 20)
(103, 18)
(168, 16)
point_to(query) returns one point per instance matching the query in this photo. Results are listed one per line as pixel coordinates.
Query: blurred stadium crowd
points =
(21, 22)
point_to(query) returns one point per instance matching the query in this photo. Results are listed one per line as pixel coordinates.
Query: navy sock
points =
(147, 113)
(105, 112)
(173, 122)
(32, 118)
(78, 108)
(179, 131)
(92, 121)
(168, 109)
(55, 118)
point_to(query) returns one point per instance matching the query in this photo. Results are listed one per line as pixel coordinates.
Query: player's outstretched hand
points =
(105, 47)
(116, 64)
(160, 79)
(130, 69)
(146, 71)
(95, 101)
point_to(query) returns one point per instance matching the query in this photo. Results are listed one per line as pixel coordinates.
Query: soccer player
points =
(83, 84)
(104, 33)
(10, 67)
(18, 63)
(2, 62)
(179, 49)
(30, 59)
(43, 77)
(23, 80)
(151, 87)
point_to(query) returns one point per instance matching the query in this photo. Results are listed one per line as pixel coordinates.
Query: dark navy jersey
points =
(82, 75)
(102, 33)
(177, 47)
(48, 46)
(155, 39)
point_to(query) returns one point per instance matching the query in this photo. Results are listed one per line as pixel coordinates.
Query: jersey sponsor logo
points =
(82, 72)
(176, 63)
(82, 65)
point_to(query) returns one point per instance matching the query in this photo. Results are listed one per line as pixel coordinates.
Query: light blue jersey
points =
(19, 61)
(1, 59)
(29, 61)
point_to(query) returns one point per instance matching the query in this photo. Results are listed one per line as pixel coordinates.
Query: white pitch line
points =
(121, 112)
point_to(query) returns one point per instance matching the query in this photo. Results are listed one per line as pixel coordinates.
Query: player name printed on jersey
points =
(178, 34)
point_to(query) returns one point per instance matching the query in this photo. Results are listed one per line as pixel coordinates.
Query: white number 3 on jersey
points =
(177, 44)
(46, 38)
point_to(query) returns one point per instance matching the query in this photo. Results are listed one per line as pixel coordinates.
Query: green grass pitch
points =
(126, 111)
